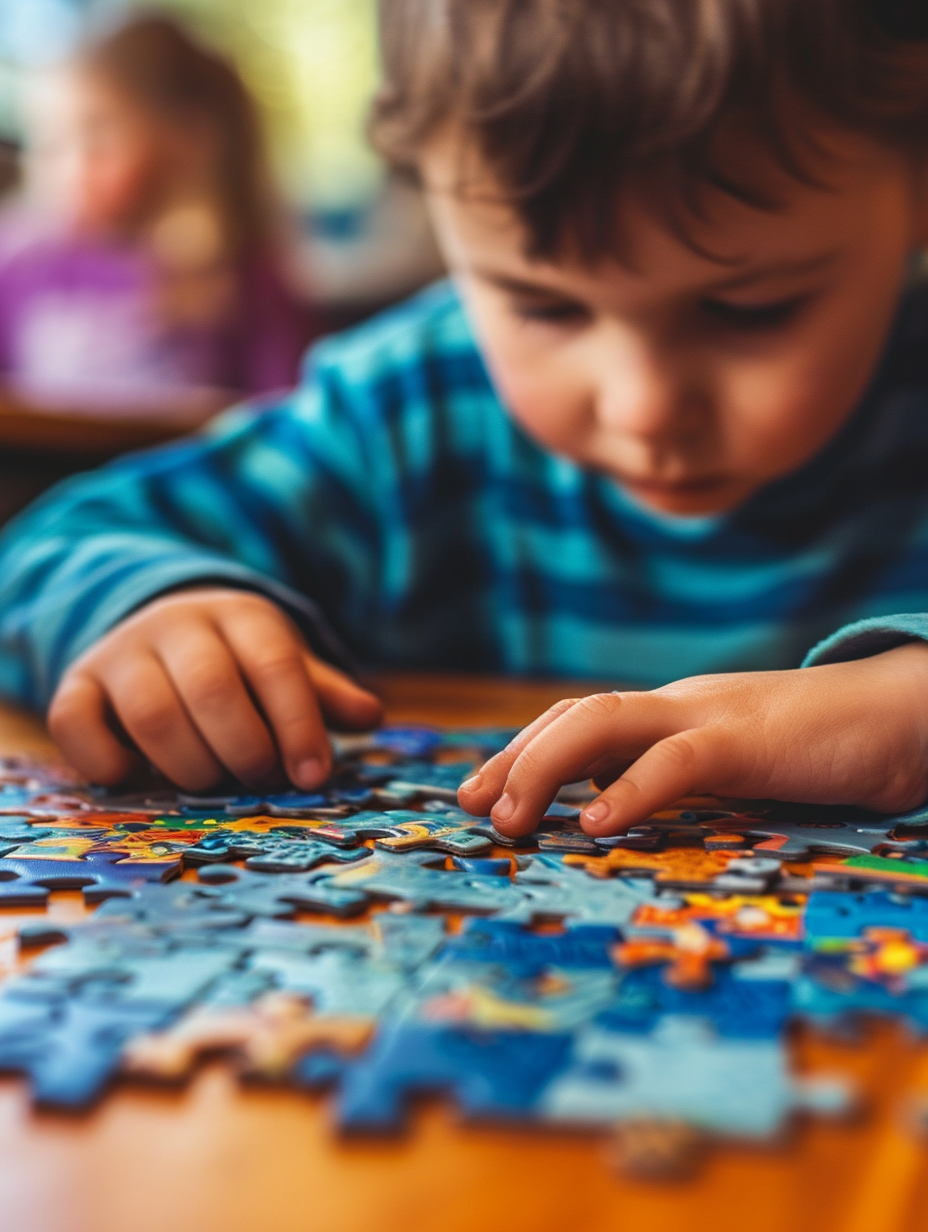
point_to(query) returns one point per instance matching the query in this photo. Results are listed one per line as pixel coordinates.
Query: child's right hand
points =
(205, 682)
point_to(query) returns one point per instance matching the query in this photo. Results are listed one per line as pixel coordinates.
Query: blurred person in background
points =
(141, 268)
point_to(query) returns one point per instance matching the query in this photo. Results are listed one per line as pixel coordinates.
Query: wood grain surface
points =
(219, 1158)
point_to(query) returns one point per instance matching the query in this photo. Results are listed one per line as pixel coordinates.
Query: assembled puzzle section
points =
(372, 940)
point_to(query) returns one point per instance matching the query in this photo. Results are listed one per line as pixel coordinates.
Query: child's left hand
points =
(846, 733)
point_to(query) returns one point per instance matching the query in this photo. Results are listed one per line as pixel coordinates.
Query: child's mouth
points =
(679, 487)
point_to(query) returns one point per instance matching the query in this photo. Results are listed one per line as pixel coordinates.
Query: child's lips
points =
(705, 483)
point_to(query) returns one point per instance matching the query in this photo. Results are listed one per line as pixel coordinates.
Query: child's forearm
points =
(212, 510)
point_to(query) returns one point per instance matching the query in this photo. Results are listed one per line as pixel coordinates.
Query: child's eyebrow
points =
(518, 286)
(781, 269)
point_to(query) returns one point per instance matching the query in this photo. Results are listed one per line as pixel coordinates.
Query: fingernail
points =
(503, 809)
(596, 812)
(310, 772)
(470, 784)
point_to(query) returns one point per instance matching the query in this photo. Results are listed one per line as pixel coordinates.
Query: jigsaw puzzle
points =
(372, 939)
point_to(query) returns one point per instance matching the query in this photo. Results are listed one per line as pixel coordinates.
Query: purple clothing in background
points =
(79, 326)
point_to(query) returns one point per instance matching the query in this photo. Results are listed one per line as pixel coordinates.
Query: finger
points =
(272, 659)
(687, 763)
(78, 722)
(584, 741)
(479, 793)
(208, 682)
(149, 708)
(344, 702)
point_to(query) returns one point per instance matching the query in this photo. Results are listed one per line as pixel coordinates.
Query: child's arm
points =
(205, 682)
(843, 733)
(274, 509)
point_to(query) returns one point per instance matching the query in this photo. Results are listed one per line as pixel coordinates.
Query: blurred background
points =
(187, 199)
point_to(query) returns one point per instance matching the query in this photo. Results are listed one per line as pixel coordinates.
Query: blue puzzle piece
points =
(833, 914)
(275, 851)
(71, 1051)
(408, 742)
(828, 994)
(491, 867)
(553, 890)
(527, 953)
(281, 894)
(736, 1007)
(681, 1071)
(492, 1075)
(27, 883)
(412, 878)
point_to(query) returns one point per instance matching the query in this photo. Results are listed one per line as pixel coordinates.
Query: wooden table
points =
(216, 1158)
(40, 444)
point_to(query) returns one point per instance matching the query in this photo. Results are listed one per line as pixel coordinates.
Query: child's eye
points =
(753, 316)
(554, 312)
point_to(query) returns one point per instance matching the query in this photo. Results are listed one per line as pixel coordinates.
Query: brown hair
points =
(568, 102)
(153, 61)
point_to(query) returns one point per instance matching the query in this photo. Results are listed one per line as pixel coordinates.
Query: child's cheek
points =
(552, 408)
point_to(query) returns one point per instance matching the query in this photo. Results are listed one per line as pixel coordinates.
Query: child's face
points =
(94, 154)
(693, 381)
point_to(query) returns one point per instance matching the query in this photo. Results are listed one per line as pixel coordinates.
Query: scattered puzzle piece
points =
(680, 1071)
(492, 1075)
(27, 883)
(264, 1040)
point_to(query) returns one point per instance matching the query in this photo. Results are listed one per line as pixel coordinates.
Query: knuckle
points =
(275, 662)
(685, 750)
(529, 766)
(561, 707)
(209, 688)
(148, 718)
(600, 706)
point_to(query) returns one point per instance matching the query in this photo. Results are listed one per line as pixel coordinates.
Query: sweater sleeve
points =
(270, 499)
(869, 637)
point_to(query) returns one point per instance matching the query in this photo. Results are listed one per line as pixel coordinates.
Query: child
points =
(691, 439)
(141, 264)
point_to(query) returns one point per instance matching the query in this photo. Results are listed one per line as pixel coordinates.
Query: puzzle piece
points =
(338, 981)
(492, 1075)
(688, 953)
(281, 894)
(490, 996)
(526, 953)
(280, 851)
(69, 1050)
(875, 870)
(414, 879)
(681, 1071)
(27, 883)
(890, 956)
(830, 994)
(677, 866)
(263, 1040)
(402, 830)
(747, 1000)
(831, 914)
(789, 832)
(553, 889)
(766, 918)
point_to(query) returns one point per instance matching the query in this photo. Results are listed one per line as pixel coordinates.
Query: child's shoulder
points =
(428, 332)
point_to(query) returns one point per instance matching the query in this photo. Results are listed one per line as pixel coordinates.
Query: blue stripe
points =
(394, 490)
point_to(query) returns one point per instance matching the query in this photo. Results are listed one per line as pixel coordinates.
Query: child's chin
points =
(696, 500)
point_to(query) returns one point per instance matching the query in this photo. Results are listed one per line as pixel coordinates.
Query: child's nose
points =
(645, 393)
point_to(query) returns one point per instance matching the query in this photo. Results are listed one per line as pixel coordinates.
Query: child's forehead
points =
(724, 240)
